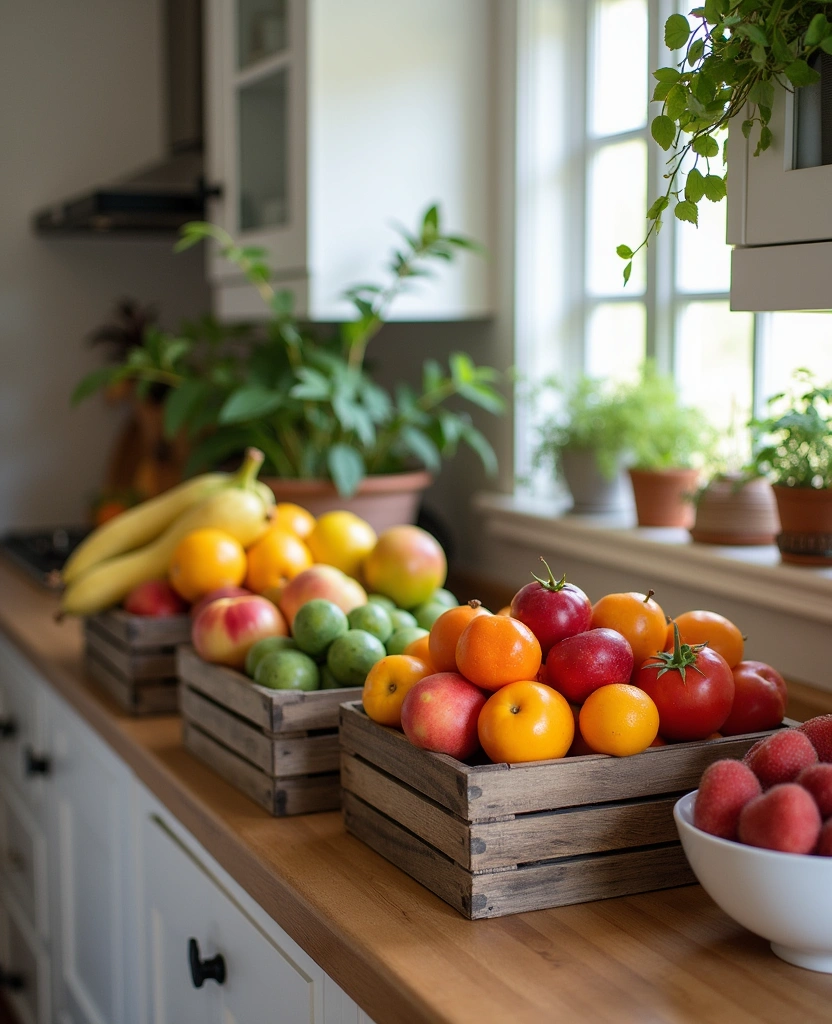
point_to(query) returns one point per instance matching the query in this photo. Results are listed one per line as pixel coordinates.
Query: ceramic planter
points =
(732, 511)
(664, 497)
(383, 501)
(591, 491)
(806, 525)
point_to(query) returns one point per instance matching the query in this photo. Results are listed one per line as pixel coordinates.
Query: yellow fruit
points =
(341, 539)
(619, 719)
(277, 557)
(293, 518)
(206, 560)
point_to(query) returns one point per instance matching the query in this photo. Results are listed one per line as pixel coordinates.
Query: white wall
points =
(80, 103)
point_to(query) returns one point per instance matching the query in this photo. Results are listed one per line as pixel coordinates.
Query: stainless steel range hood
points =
(163, 196)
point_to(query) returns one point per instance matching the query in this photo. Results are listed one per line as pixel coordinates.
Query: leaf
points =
(676, 103)
(753, 32)
(483, 396)
(705, 145)
(746, 127)
(676, 31)
(694, 185)
(628, 271)
(346, 467)
(658, 208)
(421, 447)
(715, 188)
(688, 211)
(181, 402)
(430, 224)
(94, 381)
(482, 447)
(826, 45)
(662, 91)
(762, 93)
(462, 368)
(249, 403)
(312, 386)
(283, 302)
(668, 75)
(766, 138)
(663, 131)
(624, 251)
(819, 28)
(714, 11)
(799, 73)
(695, 52)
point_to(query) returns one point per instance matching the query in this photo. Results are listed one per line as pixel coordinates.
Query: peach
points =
(225, 629)
(440, 713)
(215, 595)
(407, 564)
(320, 581)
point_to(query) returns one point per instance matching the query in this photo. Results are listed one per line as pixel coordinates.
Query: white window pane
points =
(617, 202)
(703, 258)
(618, 92)
(615, 340)
(791, 341)
(714, 358)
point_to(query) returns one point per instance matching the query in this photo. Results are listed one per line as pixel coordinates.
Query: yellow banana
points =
(144, 523)
(240, 509)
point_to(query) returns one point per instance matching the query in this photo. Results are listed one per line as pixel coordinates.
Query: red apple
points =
(225, 629)
(215, 595)
(440, 713)
(759, 699)
(155, 598)
(552, 609)
(320, 581)
(407, 565)
(579, 664)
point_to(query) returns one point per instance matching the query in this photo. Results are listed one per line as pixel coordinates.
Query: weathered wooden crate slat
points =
(148, 697)
(144, 631)
(500, 839)
(278, 746)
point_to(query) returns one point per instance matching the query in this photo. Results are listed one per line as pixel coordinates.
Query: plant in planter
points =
(737, 54)
(585, 442)
(793, 448)
(306, 396)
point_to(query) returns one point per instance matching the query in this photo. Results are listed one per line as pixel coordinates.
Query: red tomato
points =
(552, 609)
(692, 687)
(582, 663)
(759, 699)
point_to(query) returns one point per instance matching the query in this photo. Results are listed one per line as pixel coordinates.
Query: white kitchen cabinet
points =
(326, 121)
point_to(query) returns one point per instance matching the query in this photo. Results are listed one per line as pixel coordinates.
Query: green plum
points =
(288, 670)
(317, 623)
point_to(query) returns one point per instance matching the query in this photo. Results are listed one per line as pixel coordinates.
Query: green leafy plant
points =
(793, 444)
(305, 396)
(737, 54)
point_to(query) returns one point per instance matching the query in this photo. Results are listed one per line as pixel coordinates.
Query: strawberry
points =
(819, 731)
(784, 818)
(780, 757)
(817, 779)
(725, 788)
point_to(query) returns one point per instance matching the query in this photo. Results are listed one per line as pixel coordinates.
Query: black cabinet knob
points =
(12, 980)
(8, 727)
(35, 764)
(212, 969)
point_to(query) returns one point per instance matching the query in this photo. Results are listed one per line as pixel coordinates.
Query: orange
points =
(446, 631)
(637, 618)
(420, 648)
(293, 518)
(619, 719)
(700, 627)
(494, 650)
(277, 557)
(341, 539)
(387, 685)
(525, 721)
(205, 560)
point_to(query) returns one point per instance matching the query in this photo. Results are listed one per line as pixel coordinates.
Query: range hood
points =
(162, 197)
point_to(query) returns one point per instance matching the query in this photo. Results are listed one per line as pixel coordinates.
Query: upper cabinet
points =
(780, 205)
(328, 122)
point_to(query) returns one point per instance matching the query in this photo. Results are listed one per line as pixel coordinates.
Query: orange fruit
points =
(525, 721)
(388, 683)
(293, 518)
(619, 719)
(205, 560)
(420, 648)
(637, 618)
(494, 650)
(446, 631)
(277, 557)
(700, 627)
(341, 539)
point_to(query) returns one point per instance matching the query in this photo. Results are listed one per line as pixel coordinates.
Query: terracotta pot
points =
(664, 497)
(383, 501)
(591, 491)
(731, 512)
(806, 522)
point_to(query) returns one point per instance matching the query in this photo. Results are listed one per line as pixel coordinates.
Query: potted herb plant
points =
(732, 58)
(585, 442)
(793, 448)
(306, 397)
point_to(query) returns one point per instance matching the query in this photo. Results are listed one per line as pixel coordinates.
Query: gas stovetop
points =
(42, 553)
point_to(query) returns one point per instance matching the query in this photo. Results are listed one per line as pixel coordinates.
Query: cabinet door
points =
(183, 901)
(255, 70)
(22, 730)
(25, 966)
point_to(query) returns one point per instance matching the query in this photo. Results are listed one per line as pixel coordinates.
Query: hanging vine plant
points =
(737, 54)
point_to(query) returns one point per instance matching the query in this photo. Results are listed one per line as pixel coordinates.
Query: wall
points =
(80, 103)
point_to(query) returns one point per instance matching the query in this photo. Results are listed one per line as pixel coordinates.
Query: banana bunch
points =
(138, 545)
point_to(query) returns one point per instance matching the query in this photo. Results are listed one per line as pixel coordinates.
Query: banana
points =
(240, 509)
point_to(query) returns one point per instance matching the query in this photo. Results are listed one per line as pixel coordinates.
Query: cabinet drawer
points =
(21, 720)
(26, 966)
(23, 861)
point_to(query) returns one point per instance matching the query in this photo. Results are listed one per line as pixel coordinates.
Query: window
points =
(588, 170)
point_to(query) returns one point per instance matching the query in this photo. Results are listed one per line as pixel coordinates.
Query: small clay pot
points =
(735, 511)
(806, 525)
(592, 492)
(664, 497)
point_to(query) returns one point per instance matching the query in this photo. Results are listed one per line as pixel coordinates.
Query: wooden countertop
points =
(401, 953)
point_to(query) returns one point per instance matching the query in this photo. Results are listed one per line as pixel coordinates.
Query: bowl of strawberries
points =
(758, 836)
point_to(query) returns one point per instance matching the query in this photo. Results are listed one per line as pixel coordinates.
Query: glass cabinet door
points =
(262, 30)
(262, 122)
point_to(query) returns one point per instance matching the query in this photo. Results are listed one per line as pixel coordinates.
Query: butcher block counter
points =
(401, 953)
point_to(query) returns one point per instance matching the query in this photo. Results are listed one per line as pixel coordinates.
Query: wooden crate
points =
(496, 839)
(280, 747)
(133, 658)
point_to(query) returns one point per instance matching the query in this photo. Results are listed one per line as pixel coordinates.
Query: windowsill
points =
(754, 575)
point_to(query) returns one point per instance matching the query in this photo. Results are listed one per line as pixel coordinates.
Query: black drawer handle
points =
(35, 764)
(12, 980)
(212, 969)
(8, 728)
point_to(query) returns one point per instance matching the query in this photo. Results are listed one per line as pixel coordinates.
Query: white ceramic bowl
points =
(783, 897)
